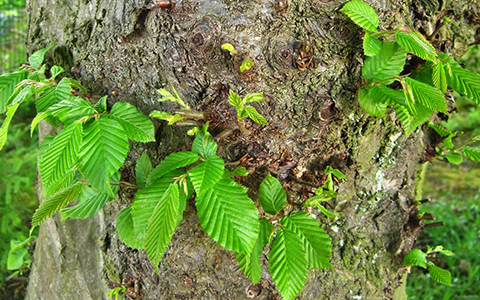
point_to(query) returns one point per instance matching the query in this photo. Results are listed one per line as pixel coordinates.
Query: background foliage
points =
(18, 197)
(455, 191)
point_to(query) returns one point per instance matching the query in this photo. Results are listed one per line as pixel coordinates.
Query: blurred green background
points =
(454, 190)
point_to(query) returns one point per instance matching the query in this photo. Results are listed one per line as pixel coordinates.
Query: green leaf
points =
(169, 97)
(271, 195)
(206, 174)
(36, 59)
(8, 83)
(55, 71)
(235, 100)
(38, 75)
(54, 95)
(204, 144)
(439, 275)
(103, 151)
(4, 129)
(61, 155)
(38, 118)
(325, 211)
(53, 204)
(239, 171)
(162, 224)
(24, 95)
(90, 202)
(388, 63)
(439, 77)
(373, 101)
(71, 109)
(471, 153)
(317, 243)
(256, 97)
(16, 257)
(229, 47)
(228, 216)
(362, 14)
(246, 65)
(287, 263)
(442, 131)
(415, 43)
(371, 46)
(138, 126)
(171, 162)
(416, 257)
(454, 157)
(461, 80)
(172, 119)
(101, 105)
(427, 95)
(125, 228)
(250, 264)
(142, 170)
(146, 200)
(254, 115)
(338, 174)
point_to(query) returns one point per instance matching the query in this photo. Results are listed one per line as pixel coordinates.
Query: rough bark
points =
(314, 119)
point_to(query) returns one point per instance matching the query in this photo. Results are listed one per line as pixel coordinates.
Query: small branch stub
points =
(161, 3)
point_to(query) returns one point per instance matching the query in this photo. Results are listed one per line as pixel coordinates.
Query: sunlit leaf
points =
(125, 228)
(146, 200)
(462, 80)
(8, 83)
(206, 174)
(287, 263)
(371, 46)
(388, 63)
(204, 144)
(162, 224)
(317, 243)
(4, 129)
(61, 156)
(271, 195)
(137, 125)
(228, 216)
(255, 115)
(103, 151)
(415, 43)
(171, 162)
(250, 264)
(36, 59)
(416, 257)
(143, 168)
(53, 204)
(362, 14)
(440, 275)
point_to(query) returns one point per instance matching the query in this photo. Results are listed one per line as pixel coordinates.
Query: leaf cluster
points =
(422, 92)
(246, 65)
(417, 257)
(246, 111)
(326, 192)
(226, 214)
(82, 160)
(452, 153)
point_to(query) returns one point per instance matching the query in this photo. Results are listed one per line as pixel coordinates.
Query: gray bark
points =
(314, 119)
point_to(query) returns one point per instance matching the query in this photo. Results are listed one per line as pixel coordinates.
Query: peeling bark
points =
(314, 119)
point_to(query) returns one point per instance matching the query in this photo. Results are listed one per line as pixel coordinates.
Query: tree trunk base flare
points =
(122, 49)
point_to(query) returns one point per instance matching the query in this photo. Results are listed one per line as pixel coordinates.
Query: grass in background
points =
(455, 190)
(18, 198)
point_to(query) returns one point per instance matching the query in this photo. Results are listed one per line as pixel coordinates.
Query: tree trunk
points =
(122, 49)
